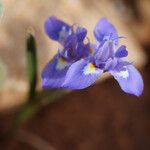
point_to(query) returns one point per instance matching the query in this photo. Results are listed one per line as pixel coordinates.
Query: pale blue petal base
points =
(76, 79)
(52, 78)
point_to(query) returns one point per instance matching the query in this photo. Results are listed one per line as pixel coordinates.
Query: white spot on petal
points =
(123, 74)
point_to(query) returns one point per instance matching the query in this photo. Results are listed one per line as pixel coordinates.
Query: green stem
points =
(31, 65)
(43, 98)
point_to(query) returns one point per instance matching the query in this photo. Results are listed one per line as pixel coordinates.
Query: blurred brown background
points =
(99, 117)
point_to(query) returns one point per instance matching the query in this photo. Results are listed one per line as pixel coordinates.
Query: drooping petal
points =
(54, 73)
(104, 29)
(81, 74)
(121, 52)
(121, 65)
(130, 80)
(56, 29)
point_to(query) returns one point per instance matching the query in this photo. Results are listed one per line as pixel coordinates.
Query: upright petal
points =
(76, 50)
(105, 52)
(56, 29)
(54, 73)
(81, 33)
(104, 29)
(70, 45)
(111, 63)
(81, 74)
(81, 51)
(129, 80)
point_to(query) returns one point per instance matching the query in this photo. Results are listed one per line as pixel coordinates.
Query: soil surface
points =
(101, 117)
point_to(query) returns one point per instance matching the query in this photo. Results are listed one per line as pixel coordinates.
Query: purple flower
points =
(72, 49)
(107, 57)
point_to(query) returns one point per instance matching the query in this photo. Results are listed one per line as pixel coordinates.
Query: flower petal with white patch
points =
(130, 80)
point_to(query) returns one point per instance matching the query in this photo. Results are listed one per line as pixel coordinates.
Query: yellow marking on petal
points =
(90, 69)
(61, 63)
(62, 60)
(91, 66)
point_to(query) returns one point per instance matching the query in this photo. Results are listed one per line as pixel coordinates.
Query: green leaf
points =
(31, 64)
